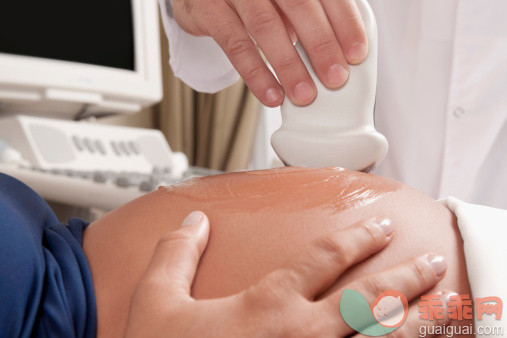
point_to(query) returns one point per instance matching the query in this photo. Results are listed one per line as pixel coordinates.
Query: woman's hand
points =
(331, 32)
(281, 304)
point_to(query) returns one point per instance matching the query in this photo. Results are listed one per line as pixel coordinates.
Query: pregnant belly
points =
(258, 221)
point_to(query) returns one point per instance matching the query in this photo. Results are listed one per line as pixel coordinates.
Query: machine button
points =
(124, 181)
(132, 146)
(69, 172)
(100, 177)
(83, 174)
(88, 145)
(56, 171)
(115, 148)
(157, 171)
(123, 148)
(100, 147)
(149, 185)
(459, 112)
(77, 143)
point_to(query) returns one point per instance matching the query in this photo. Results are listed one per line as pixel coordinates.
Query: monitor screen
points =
(97, 32)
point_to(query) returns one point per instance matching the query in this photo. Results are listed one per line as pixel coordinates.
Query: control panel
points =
(88, 164)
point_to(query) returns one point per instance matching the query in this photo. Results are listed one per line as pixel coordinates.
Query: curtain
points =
(214, 130)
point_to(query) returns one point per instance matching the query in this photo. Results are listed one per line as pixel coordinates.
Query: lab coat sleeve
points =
(484, 234)
(197, 61)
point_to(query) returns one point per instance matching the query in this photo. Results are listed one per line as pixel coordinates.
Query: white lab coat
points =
(441, 98)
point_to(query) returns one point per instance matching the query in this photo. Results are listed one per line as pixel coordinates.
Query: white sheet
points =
(484, 233)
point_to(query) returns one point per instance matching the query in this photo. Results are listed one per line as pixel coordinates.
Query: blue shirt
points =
(46, 287)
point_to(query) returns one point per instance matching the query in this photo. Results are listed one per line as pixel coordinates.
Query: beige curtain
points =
(214, 130)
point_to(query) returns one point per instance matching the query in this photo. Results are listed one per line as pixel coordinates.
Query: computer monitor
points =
(69, 58)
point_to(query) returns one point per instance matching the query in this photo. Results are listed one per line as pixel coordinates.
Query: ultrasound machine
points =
(63, 64)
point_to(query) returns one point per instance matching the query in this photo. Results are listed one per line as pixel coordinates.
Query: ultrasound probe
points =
(337, 129)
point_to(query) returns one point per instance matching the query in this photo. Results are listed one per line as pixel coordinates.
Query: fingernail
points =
(337, 75)
(446, 297)
(383, 223)
(437, 263)
(304, 92)
(357, 52)
(273, 96)
(194, 217)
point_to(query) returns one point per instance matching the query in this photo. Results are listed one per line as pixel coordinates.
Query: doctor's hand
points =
(331, 32)
(282, 303)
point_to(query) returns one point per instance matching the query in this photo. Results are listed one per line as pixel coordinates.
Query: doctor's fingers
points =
(223, 24)
(315, 32)
(349, 28)
(411, 278)
(288, 25)
(327, 257)
(264, 23)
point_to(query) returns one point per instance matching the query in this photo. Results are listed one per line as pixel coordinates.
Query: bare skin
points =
(283, 303)
(258, 221)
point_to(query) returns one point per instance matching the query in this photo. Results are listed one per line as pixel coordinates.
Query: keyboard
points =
(90, 165)
(97, 189)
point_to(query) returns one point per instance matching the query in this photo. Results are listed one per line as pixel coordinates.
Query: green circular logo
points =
(386, 314)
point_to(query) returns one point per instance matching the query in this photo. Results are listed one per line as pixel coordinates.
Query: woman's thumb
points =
(177, 255)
